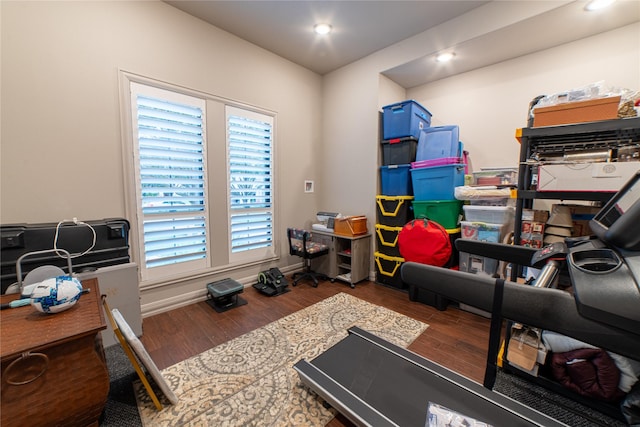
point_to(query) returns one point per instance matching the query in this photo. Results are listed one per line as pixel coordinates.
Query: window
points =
(169, 147)
(200, 181)
(250, 177)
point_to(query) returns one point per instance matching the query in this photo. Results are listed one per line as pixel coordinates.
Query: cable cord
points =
(76, 222)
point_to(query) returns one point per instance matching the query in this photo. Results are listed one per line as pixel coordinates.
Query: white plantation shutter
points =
(169, 140)
(176, 203)
(250, 178)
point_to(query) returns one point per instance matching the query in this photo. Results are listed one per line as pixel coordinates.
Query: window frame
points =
(221, 260)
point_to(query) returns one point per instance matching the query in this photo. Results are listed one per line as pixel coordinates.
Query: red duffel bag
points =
(424, 241)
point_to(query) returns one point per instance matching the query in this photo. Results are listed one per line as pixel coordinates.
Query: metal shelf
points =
(607, 134)
(611, 134)
(565, 195)
(611, 129)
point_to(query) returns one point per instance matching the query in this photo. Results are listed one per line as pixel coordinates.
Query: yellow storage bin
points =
(388, 270)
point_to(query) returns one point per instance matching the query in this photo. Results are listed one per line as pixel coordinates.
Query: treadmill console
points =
(605, 272)
(617, 222)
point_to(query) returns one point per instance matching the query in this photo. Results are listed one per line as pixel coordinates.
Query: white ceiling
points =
(364, 27)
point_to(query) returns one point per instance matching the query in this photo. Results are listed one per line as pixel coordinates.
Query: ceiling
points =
(363, 27)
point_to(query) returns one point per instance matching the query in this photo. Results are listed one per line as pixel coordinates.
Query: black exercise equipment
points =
(223, 295)
(272, 282)
(375, 383)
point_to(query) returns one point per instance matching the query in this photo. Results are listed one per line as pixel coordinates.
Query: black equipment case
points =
(111, 246)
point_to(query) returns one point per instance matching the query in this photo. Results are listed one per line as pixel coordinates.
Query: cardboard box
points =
(577, 112)
(580, 217)
(523, 346)
(599, 176)
(535, 215)
(532, 233)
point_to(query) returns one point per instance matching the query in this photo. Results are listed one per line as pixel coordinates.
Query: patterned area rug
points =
(249, 381)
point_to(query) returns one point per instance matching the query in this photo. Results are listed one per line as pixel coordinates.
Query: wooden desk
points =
(73, 388)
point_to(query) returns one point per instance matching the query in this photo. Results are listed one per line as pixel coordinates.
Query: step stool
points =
(223, 295)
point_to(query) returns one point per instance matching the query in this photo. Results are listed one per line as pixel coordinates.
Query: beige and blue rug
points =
(249, 381)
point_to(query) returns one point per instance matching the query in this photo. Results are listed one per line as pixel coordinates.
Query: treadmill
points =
(375, 383)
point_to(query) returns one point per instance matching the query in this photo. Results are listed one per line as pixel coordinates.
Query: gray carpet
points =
(121, 409)
(556, 406)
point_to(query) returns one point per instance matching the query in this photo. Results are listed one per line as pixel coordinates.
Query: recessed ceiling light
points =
(445, 57)
(322, 28)
(597, 4)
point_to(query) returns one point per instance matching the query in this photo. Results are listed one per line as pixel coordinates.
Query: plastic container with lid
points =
(489, 214)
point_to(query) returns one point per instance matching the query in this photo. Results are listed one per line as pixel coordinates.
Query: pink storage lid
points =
(437, 162)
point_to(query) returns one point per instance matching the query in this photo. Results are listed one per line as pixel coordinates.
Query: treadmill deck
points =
(373, 382)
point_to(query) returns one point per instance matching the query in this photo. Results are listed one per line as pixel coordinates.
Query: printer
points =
(325, 221)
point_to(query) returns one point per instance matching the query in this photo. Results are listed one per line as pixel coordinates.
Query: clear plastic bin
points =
(493, 201)
(477, 264)
(482, 231)
(495, 176)
(489, 214)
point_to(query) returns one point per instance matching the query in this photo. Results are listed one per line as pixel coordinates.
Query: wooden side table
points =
(52, 365)
(348, 259)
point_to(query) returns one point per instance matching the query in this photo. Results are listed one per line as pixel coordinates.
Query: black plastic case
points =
(111, 246)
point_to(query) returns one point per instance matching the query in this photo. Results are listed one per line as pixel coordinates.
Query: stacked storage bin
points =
(489, 217)
(485, 223)
(401, 126)
(438, 169)
(393, 212)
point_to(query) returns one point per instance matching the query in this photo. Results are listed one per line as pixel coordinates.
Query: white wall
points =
(350, 142)
(61, 153)
(61, 133)
(489, 104)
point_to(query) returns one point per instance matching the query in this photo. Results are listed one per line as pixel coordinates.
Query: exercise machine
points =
(375, 383)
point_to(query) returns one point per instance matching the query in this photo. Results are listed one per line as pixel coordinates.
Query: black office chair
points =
(300, 244)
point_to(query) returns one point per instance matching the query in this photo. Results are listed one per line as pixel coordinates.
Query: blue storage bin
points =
(404, 119)
(438, 142)
(395, 180)
(437, 182)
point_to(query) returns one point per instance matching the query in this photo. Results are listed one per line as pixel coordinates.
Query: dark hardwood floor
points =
(456, 339)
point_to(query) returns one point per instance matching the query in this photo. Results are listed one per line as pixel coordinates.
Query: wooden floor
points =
(455, 338)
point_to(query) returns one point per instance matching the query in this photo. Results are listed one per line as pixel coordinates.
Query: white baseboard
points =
(193, 297)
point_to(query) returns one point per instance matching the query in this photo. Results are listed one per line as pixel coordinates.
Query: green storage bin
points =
(447, 213)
